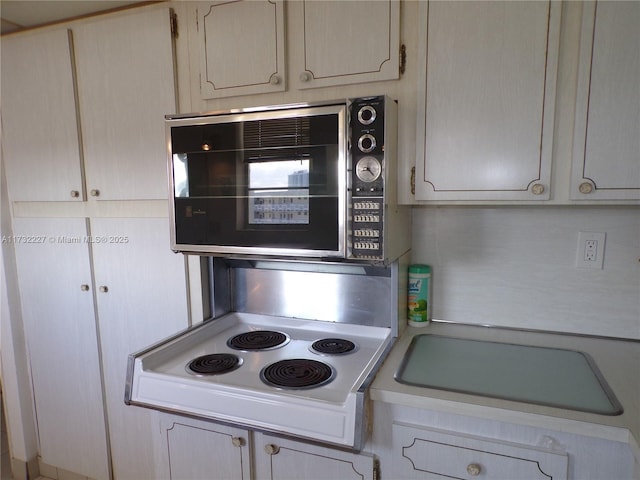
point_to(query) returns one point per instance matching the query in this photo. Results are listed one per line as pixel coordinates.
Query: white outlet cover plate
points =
(583, 238)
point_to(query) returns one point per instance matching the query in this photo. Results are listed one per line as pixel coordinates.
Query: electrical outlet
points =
(590, 252)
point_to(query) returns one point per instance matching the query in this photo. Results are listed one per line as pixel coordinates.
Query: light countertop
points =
(617, 360)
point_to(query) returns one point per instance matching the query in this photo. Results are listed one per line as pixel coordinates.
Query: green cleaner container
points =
(419, 295)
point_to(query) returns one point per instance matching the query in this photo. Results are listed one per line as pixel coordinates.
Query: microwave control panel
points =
(367, 162)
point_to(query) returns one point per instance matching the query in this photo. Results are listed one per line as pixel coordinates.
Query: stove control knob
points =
(238, 441)
(271, 449)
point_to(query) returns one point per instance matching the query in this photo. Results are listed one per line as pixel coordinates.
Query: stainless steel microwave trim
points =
(264, 114)
(351, 244)
(256, 109)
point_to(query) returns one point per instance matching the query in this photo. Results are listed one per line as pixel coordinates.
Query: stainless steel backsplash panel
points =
(362, 295)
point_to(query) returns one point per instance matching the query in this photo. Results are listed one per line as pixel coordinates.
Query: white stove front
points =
(332, 412)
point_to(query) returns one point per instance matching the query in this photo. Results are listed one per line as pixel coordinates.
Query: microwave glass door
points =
(260, 181)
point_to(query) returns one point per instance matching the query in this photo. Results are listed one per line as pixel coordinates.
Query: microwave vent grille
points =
(278, 132)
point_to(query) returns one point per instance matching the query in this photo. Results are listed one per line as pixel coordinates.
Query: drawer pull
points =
(474, 469)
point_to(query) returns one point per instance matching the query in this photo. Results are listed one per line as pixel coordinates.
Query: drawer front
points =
(421, 453)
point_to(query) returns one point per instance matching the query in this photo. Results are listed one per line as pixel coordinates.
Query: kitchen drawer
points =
(423, 453)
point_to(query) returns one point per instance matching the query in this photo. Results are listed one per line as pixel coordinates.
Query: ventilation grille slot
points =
(279, 132)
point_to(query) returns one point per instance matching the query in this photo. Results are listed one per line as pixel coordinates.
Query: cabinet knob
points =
(274, 80)
(305, 77)
(103, 289)
(537, 189)
(271, 449)
(585, 187)
(237, 441)
(84, 287)
(95, 193)
(75, 193)
(474, 469)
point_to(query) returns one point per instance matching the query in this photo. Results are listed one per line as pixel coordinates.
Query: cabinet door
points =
(241, 47)
(486, 100)
(344, 42)
(282, 459)
(200, 450)
(39, 127)
(125, 87)
(606, 162)
(141, 297)
(421, 453)
(54, 275)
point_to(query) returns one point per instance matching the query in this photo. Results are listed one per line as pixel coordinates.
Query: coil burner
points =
(258, 340)
(333, 346)
(214, 364)
(297, 373)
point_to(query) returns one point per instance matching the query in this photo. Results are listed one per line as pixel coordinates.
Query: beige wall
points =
(515, 266)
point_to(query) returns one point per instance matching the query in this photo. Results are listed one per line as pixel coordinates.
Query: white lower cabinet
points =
(92, 292)
(422, 453)
(141, 295)
(197, 450)
(54, 276)
(282, 459)
(419, 444)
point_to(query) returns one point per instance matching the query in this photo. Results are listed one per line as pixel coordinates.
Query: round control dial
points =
(368, 169)
(367, 115)
(367, 143)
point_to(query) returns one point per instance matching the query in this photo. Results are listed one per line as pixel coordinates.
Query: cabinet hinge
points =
(413, 180)
(173, 19)
(403, 58)
(376, 469)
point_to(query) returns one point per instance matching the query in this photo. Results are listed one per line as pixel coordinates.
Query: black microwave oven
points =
(309, 181)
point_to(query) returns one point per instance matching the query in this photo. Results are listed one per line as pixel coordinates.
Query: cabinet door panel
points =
(39, 127)
(242, 48)
(344, 42)
(199, 450)
(141, 299)
(422, 453)
(60, 327)
(606, 141)
(282, 459)
(486, 106)
(125, 87)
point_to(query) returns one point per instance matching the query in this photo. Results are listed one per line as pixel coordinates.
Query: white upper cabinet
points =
(343, 42)
(606, 148)
(486, 100)
(39, 125)
(125, 87)
(83, 109)
(241, 47)
(249, 47)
